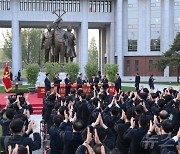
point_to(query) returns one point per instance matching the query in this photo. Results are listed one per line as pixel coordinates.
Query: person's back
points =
(71, 139)
(17, 128)
(56, 142)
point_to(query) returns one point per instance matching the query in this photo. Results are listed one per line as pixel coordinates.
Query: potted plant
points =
(32, 71)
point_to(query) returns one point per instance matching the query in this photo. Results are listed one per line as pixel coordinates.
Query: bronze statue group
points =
(58, 43)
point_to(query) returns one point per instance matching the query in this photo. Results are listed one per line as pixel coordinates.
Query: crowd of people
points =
(137, 122)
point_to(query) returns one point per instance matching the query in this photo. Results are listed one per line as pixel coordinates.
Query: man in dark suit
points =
(57, 81)
(151, 82)
(68, 84)
(17, 127)
(79, 81)
(137, 81)
(47, 83)
(93, 81)
(104, 82)
(135, 135)
(118, 83)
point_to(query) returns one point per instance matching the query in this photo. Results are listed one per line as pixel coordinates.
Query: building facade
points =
(132, 33)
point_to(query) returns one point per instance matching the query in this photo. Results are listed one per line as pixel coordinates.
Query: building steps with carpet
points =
(37, 103)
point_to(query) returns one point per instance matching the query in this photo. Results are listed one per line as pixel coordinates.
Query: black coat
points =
(93, 82)
(118, 84)
(57, 80)
(56, 142)
(153, 143)
(79, 82)
(33, 145)
(47, 84)
(68, 85)
(71, 140)
(4, 122)
(135, 136)
(121, 143)
(105, 83)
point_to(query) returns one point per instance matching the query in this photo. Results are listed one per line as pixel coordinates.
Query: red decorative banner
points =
(6, 79)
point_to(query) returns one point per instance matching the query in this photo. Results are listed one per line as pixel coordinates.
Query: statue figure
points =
(47, 44)
(70, 43)
(59, 41)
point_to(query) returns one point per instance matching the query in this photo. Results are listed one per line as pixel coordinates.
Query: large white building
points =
(132, 33)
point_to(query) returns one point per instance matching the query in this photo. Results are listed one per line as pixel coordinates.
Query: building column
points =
(167, 27)
(102, 48)
(148, 26)
(121, 37)
(77, 47)
(20, 49)
(16, 54)
(84, 36)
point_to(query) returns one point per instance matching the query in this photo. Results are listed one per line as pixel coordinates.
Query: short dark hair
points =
(139, 109)
(130, 113)
(115, 111)
(16, 125)
(161, 102)
(47, 74)
(78, 125)
(22, 149)
(10, 113)
(101, 132)
(143, 121)
(83, 96)
(57, 119)
(167, 125)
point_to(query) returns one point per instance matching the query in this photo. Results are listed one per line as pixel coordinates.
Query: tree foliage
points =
(32, 71)
(31, 39)
(111, 70)
(72, 69)
(172, 56)
(52, 68)
(93, 52)
(92, 65)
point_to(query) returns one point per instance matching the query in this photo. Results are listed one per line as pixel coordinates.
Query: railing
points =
(50, 5)
(4, 5)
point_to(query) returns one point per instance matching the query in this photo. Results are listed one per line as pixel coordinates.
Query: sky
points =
(91, 33)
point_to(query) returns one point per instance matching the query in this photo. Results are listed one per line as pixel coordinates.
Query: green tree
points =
(30, 46)
(111, 70)
(93, 52)
(92, 65)
(72, 69)
(172, 56)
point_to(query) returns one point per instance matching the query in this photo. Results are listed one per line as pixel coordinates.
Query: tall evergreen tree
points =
(172, 56)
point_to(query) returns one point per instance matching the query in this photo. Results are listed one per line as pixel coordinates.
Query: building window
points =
(176, 17)
(99, 6)
(150, 65)
(127, 65)
(115, 59)
(136, 65)
(155, 25)
(132, 25)
(174, 68)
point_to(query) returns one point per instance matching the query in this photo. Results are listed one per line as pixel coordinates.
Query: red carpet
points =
(37, 103)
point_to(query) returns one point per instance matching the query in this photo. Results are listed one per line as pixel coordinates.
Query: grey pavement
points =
(157, 86)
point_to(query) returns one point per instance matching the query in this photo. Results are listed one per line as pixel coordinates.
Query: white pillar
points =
(167, 27)
(20, 50)
(84, 36)
(100, 50)
(102, 44)
(148, 26)
(16, 54)
(111, 47)
(77, 47)
(141, 26)
(121, 37)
